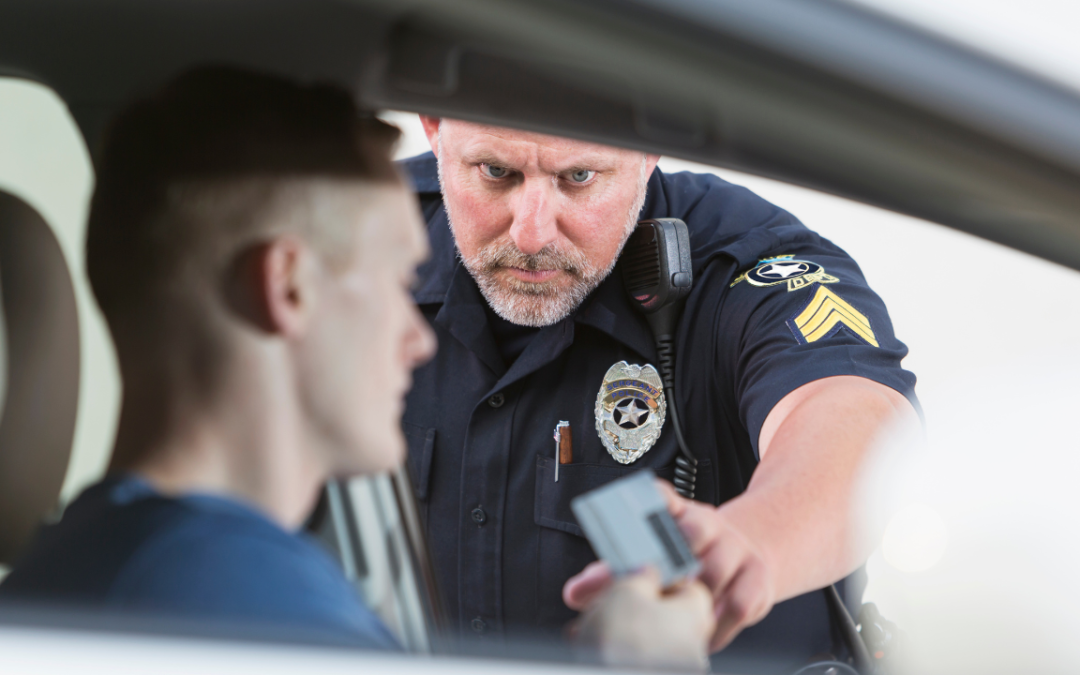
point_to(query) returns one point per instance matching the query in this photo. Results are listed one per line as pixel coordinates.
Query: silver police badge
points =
(630, 410)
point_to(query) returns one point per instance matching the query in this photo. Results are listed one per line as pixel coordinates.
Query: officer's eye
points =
(492, 171)
(582, 176)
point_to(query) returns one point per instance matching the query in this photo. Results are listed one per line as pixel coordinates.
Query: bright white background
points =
(970, 311)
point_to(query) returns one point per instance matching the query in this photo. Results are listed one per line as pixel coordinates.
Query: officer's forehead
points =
(479, 138)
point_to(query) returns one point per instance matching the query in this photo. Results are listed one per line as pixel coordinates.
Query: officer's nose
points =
(533, 206)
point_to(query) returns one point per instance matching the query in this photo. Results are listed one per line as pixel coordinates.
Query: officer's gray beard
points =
(541, 304)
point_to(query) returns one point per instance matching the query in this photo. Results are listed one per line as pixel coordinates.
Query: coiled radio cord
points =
(685, 464)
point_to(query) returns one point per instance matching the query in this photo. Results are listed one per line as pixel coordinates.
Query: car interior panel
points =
(41, 345)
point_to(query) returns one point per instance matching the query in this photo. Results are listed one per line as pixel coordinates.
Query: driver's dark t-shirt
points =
(121, 547)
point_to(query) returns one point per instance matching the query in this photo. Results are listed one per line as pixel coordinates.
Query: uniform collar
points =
(437, 274)
(464, 315)
(423, 172)
(608, 310)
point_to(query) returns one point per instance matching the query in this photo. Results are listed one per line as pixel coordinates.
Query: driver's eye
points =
(582, 175)
(494, 171)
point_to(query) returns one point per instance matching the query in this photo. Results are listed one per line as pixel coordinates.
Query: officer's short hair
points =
(217, 160)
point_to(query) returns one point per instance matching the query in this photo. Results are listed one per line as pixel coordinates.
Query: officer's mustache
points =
(506, 254)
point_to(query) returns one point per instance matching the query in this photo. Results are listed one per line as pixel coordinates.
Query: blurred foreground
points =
(979, 551)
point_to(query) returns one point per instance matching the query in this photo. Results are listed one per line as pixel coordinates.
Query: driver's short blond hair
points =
(219, 159)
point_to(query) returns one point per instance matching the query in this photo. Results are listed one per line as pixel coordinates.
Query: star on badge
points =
(629, 414)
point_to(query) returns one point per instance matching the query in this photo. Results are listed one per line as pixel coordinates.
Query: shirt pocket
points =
(421, 444)
(552, 506)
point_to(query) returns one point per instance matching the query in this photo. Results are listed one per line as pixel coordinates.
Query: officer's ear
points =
(650, 163)
(431, 130)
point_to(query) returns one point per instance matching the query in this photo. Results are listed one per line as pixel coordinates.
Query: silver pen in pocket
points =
(562, 445)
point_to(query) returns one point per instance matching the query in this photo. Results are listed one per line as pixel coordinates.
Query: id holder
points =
(629, 527)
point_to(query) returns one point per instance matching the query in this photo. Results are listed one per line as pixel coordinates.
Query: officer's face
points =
(539, 220)
(368, 335)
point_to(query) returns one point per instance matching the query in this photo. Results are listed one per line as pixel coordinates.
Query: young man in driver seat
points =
(252, 247)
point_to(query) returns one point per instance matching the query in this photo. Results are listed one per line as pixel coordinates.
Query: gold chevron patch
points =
(824, 314)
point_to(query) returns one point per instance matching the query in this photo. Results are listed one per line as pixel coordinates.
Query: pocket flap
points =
(552, 507)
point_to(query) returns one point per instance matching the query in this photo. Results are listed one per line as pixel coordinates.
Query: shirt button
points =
(478, 516)
(478, 625)
(497, 400)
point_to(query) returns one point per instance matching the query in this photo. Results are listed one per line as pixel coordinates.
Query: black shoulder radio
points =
(657, 275)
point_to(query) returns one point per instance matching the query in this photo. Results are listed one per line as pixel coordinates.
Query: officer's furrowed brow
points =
(599, 162)
(486, 157)
(593, 161)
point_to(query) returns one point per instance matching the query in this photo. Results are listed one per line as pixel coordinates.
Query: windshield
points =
(990, 333)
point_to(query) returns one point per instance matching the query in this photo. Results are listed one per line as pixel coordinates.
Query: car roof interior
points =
(813, 92)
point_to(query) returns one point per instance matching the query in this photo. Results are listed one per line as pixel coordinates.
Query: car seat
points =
(39, 372)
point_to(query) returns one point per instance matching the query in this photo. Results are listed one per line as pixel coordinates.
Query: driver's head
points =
(250, 240)
(539, 220)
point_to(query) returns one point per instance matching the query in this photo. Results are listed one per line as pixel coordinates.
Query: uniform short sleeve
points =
(800, 314)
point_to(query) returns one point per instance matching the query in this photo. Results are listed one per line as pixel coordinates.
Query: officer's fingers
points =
(676, 503)
(720, 564)
(580, 590)
(745, 602)
(701, 525)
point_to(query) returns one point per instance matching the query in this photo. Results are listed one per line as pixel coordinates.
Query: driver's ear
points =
(269, 289)
(431, 130)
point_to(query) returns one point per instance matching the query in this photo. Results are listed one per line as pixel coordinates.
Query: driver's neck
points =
(248, 444)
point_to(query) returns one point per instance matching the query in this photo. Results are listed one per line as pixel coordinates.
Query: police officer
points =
(787, 367)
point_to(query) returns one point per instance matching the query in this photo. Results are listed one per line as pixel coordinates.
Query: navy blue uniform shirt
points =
(122, 547)
(480, 430)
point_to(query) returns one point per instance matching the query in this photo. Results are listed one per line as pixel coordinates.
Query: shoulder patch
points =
(827, 313)
(786, 270)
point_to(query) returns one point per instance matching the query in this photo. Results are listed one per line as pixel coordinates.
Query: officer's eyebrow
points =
(484, 157)
(591, 161)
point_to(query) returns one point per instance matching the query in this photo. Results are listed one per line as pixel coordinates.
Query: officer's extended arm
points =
(791, 531)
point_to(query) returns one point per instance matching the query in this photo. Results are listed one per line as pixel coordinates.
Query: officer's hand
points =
(634, 623)
(735, 571)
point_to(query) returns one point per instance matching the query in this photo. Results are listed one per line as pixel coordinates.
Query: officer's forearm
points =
(797, 508)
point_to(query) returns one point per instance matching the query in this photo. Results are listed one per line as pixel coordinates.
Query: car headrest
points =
(40, 341)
